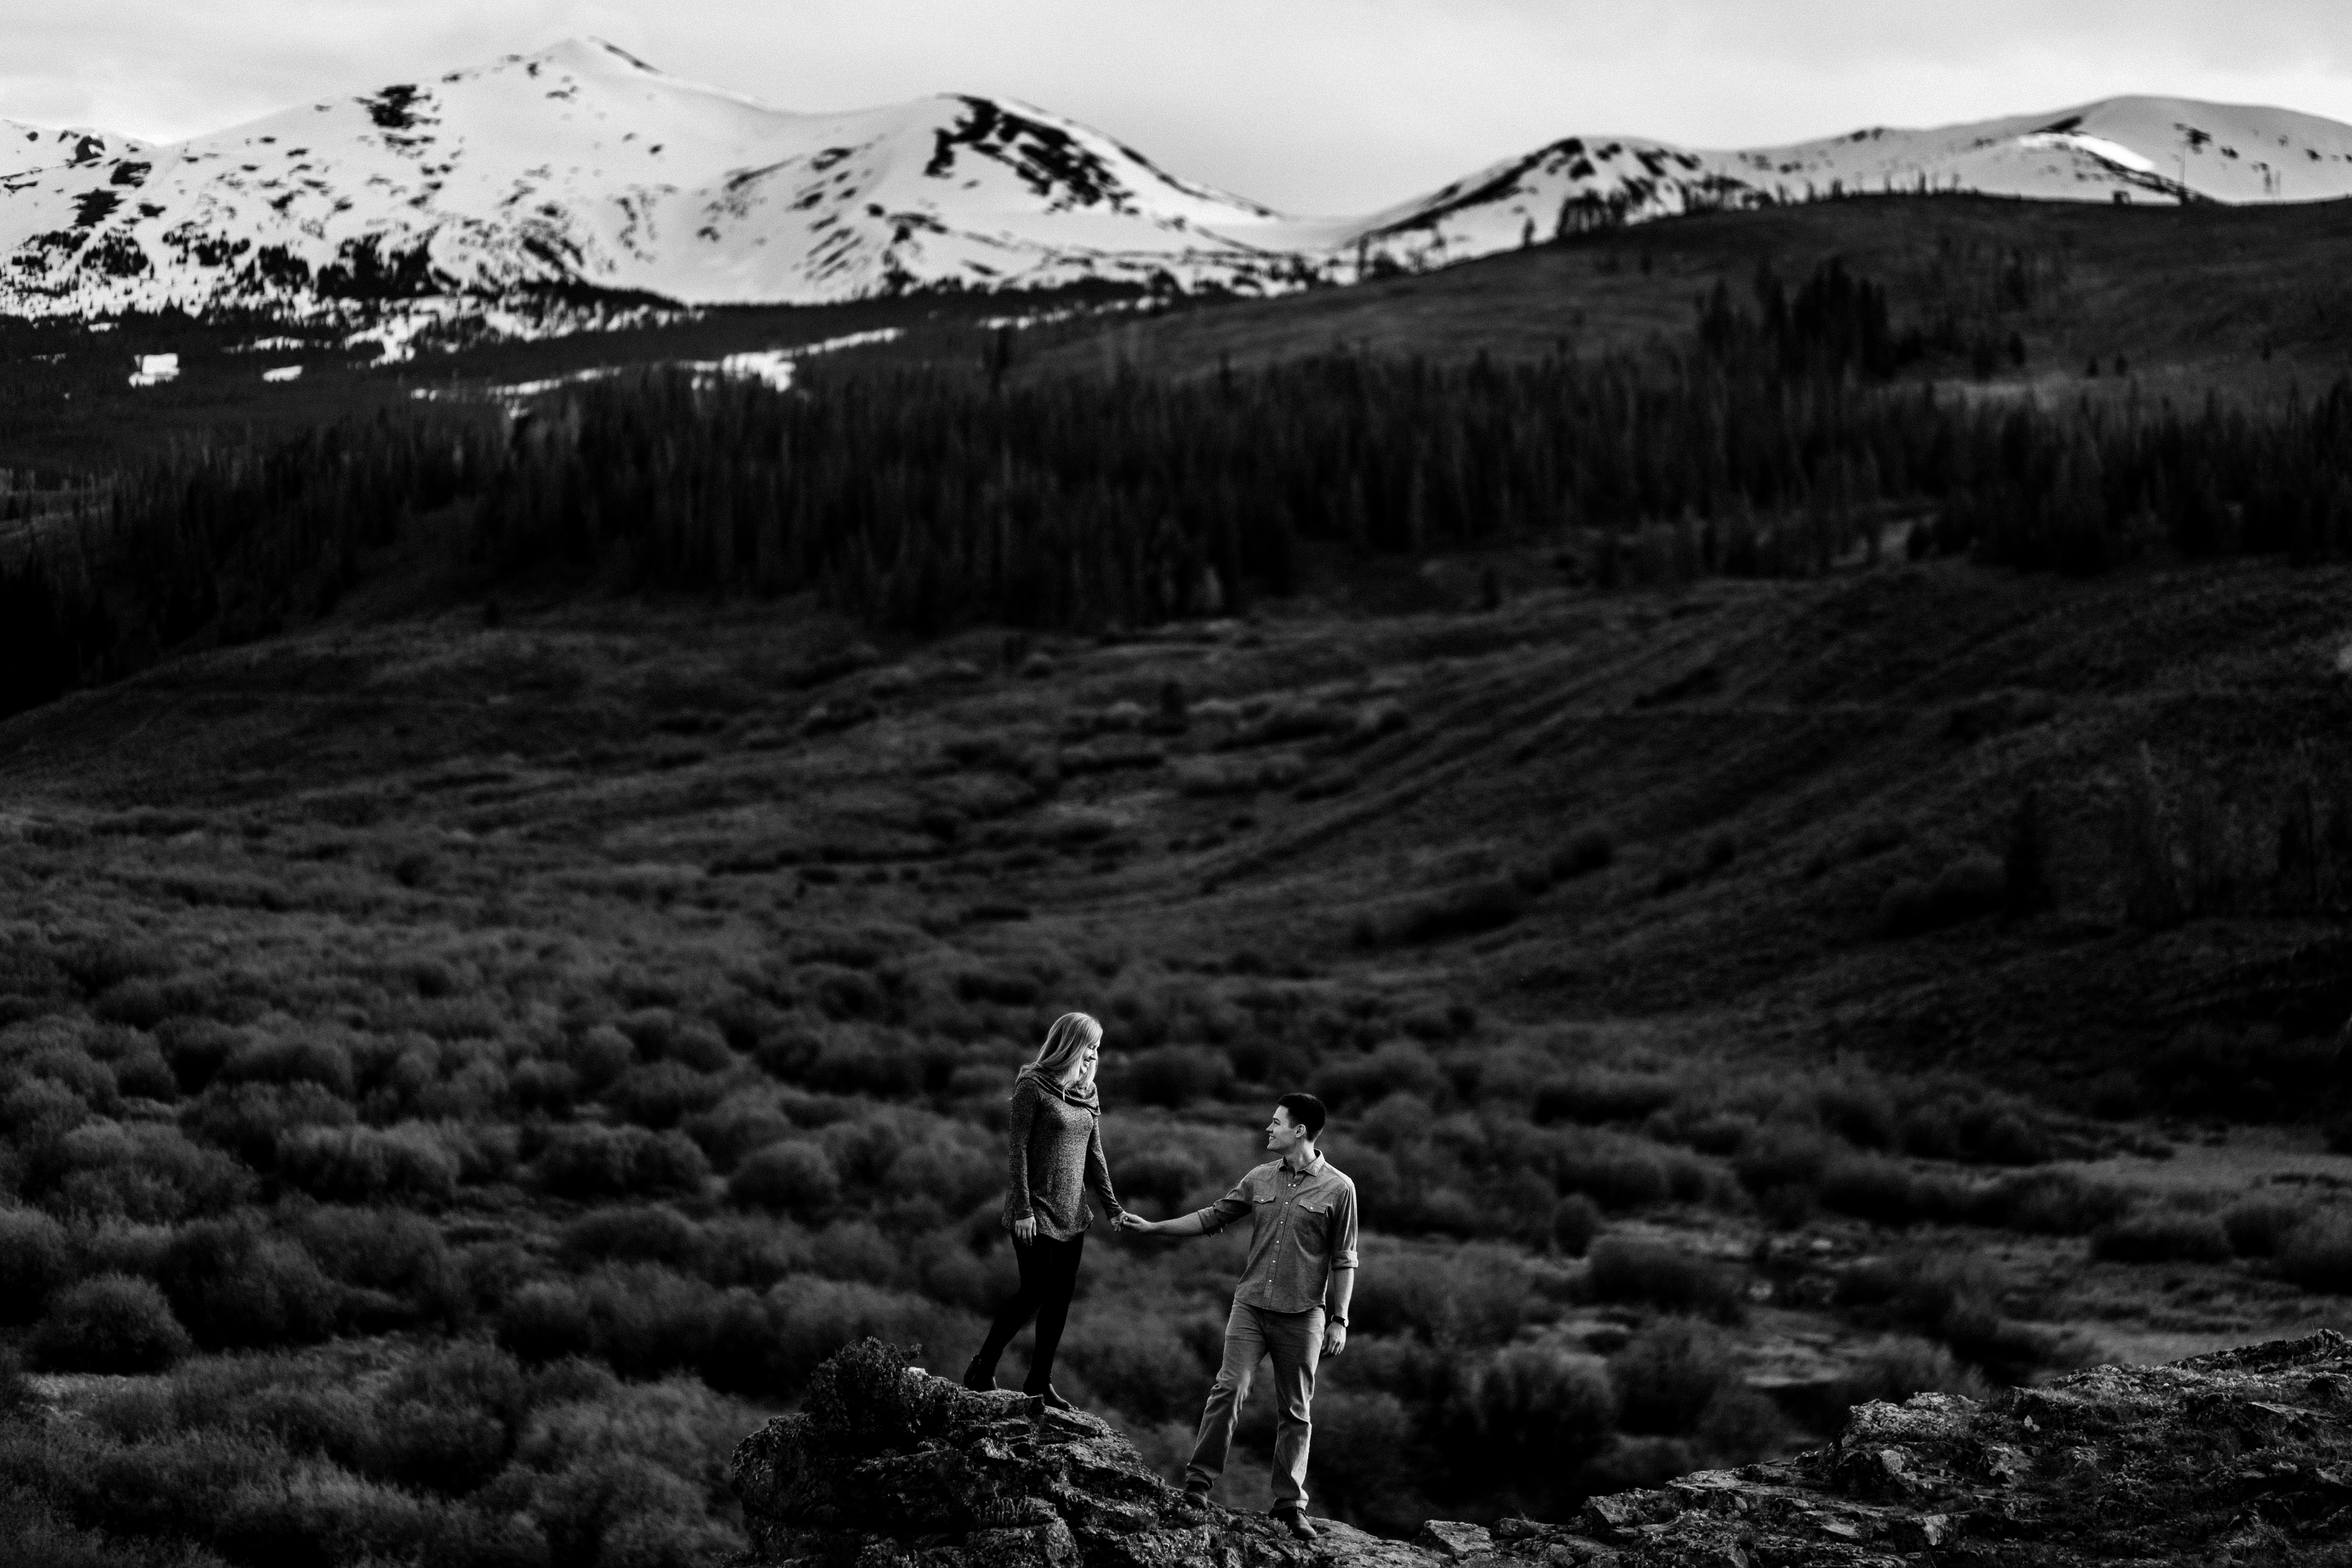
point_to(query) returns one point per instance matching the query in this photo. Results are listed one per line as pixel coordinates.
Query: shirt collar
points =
(1312, 1167)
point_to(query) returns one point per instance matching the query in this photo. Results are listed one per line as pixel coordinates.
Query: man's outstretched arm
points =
(1199, 1222)
(1182, 1224)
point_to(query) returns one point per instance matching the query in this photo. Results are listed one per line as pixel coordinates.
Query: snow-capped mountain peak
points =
(582, 167)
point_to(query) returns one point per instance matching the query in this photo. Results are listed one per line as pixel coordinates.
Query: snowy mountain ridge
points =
(582, 174)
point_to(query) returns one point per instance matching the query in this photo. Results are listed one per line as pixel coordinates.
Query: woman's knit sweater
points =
(1056, 1155)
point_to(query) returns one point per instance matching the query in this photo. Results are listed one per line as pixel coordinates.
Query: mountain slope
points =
(584, 168)
(25, 148)
(2116, 150)
(582, 165)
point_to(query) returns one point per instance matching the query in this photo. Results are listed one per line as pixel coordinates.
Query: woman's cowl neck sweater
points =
(1055, 1150)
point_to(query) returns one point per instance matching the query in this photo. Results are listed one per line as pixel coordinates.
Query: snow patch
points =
(2096, 146)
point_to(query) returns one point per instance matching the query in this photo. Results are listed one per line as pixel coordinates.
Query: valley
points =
(495, 988)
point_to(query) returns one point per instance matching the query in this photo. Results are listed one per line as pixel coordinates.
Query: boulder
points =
(2243, 1457)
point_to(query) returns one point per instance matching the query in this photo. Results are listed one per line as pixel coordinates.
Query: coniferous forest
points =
(1784, 436)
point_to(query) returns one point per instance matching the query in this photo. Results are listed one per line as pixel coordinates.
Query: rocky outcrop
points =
(2239, 1457)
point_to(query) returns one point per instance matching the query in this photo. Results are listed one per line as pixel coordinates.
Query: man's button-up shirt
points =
(1302, 1232)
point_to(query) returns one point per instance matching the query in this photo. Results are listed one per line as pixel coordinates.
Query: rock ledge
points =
(2243, 1457)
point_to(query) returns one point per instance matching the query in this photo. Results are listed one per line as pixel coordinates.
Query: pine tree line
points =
(1775, 442)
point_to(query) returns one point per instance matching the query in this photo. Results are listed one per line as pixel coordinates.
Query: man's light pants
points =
(1295, 1340)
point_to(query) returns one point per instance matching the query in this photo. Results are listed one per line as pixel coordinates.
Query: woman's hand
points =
(1025, 1229)
(1134, 1223)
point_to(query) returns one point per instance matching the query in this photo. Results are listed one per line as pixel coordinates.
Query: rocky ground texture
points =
(2243, 1457)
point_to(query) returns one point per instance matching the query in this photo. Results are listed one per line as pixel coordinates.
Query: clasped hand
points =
(1130, 1220)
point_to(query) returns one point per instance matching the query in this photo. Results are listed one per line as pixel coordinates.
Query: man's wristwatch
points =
(1338, 1320)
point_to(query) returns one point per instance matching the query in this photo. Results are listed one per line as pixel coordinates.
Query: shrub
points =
(884, 1069)
(196, 1049)
(404, 1164)
(298, 1058)
(1616, 1175)
(1366, 1462)
(1399, 1067)
(1956, 1297)
(546, 1322)
(1176, 1075)
(955, 1175)
(861, 1401)
(550, 1087)
(110, 1324)
(1164, 1174)
(1473, 1295)
(794, 1177)
(1624, 1269)
(249, 1118)
(424, 1446)
(1897, 1366)
(736, 1127)
(2257, 1226)
(2318, 1254)
(1594, 1095)
(2052, 1203)
(1139, 1361)
(2162, 1236)
(394, 1265)
(236, 1286)
(599, 1055)
(1739, 1425)
(1575, 1221)
(1667, 1375)
(448, 1420)
(814, 1318)
(1527, 1411)
(36, 1260)
(663, 1094)
(642, 1233)
(589, 1162)
(1887, 1192)
(140, 1069)
(1782, 1156)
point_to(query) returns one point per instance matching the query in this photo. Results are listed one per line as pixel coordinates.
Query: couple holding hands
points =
(1291, 1303)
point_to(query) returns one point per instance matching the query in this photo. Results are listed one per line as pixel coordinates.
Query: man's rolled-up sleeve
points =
(1343, 1228)
(1227, 1210)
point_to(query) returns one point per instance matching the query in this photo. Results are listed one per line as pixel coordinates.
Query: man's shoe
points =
(1196, 1495)
(977, 1380)
(1295, 1520)
(1051, 1400)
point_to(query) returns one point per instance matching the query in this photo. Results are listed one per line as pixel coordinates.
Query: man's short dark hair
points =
(1305, 1111)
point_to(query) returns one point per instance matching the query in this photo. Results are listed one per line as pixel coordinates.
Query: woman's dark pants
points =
(1049, 1273)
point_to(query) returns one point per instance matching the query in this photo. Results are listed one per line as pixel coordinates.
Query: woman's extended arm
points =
(1098, 1172)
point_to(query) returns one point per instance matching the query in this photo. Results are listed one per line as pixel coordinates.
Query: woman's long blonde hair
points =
(1065, 1043)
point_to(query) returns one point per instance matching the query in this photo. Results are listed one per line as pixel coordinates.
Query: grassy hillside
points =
(2244, 299)
(647, 979)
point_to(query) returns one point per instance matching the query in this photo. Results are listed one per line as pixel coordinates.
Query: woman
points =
(1057, 1154)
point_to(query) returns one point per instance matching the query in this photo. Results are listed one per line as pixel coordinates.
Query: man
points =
(1292, 1302)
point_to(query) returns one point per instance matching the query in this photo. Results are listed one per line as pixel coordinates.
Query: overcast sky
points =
(1309, 105)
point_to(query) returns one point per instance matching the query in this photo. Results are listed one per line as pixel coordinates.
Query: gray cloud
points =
(1333, 105)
